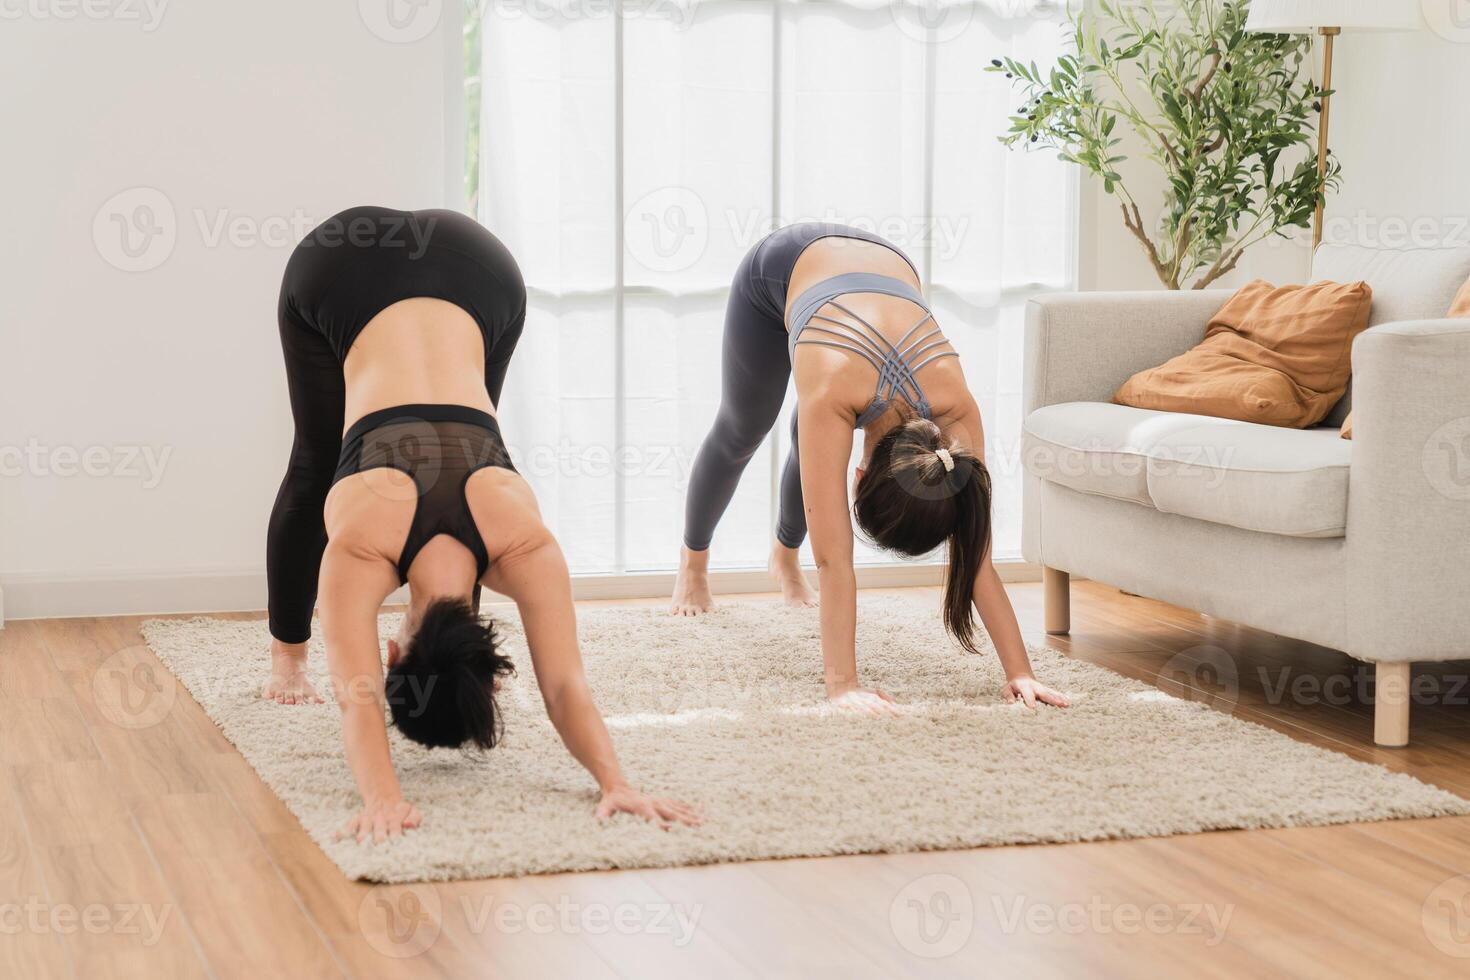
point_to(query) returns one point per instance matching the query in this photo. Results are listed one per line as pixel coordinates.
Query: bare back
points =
(417, 351)
(422, 351)
(837, 378)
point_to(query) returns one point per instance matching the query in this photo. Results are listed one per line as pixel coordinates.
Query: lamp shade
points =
(1306, 16)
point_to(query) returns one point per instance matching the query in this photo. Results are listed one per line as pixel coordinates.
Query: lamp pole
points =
(1328, 34)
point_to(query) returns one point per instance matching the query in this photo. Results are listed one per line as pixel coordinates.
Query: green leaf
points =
(1242, 150)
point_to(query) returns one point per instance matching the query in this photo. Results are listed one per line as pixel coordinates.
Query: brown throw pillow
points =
(1459, 310)
(1280, 355)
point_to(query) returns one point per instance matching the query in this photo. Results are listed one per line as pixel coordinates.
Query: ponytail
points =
(919, 492)
(968, 544)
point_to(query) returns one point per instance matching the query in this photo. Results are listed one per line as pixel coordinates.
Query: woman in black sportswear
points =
(398, 328)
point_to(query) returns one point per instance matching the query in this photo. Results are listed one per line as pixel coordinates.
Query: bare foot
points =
(288, 683)
(785, 568)
(691, 588)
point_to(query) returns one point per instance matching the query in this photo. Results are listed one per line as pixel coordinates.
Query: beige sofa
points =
(1362, 545)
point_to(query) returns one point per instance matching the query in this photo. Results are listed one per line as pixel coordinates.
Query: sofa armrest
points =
(1082, 346)
(1408, 529)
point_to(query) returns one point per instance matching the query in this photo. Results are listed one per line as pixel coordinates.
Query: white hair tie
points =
(946, 459)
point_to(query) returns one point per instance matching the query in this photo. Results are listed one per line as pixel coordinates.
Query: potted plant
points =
(1229, 117)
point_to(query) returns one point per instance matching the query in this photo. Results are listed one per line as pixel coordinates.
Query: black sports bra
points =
(439, 447)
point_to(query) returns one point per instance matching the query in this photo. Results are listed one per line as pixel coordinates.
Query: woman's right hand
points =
(860, 700)
(379, 821)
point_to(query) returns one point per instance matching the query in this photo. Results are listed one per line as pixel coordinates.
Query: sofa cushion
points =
(1408, 284)
(1096, 447)
(1258, 477)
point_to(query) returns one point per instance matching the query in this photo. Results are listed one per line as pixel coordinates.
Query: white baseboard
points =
(126, 593)
(45, 596)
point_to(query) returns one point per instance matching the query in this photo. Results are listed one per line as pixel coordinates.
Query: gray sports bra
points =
(897, 364)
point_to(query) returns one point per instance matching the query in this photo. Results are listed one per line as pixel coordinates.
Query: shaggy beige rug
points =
(727, 713)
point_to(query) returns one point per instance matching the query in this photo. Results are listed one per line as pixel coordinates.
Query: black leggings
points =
(755, 366)
(341, 275)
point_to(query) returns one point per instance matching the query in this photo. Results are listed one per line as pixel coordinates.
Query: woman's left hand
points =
(664, 812)
(1030, 690)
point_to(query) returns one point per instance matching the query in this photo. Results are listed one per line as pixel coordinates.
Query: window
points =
(630, 160)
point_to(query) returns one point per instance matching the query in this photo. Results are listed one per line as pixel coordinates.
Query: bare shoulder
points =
(827, 386)
(354, 576)
(506, 513)
(958, 417)
(369, 513)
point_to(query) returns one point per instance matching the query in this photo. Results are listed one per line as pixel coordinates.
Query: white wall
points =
(271, 114)
(1401, 125)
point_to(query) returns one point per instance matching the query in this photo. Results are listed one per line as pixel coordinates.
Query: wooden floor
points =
(137, 842)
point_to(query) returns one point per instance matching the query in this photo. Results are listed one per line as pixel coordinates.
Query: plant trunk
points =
(1134, 223)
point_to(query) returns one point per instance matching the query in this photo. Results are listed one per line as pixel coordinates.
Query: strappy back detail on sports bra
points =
(439, 447)
(897, 364)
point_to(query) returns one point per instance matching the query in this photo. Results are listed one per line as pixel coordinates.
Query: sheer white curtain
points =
(630, 160)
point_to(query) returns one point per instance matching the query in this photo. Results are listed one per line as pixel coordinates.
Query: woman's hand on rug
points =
(1031, 691)
(664, 812)
(874, 702)
(379, 821)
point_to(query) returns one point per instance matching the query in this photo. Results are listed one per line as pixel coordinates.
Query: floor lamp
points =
(1330, 18)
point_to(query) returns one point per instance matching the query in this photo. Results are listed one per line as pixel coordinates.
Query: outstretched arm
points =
(989, 595)
(535, 576)
(994, 606)
(353, 587)
(825, 434)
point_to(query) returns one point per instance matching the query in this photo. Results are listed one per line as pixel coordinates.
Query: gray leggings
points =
(755, 366)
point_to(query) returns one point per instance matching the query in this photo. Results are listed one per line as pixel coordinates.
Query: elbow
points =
(829, 567)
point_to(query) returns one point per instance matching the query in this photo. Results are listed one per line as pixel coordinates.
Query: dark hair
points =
(441, 693)
(907, 501)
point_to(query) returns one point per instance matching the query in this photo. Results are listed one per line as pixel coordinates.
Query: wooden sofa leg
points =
(1391, 704)
(1058, 587)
